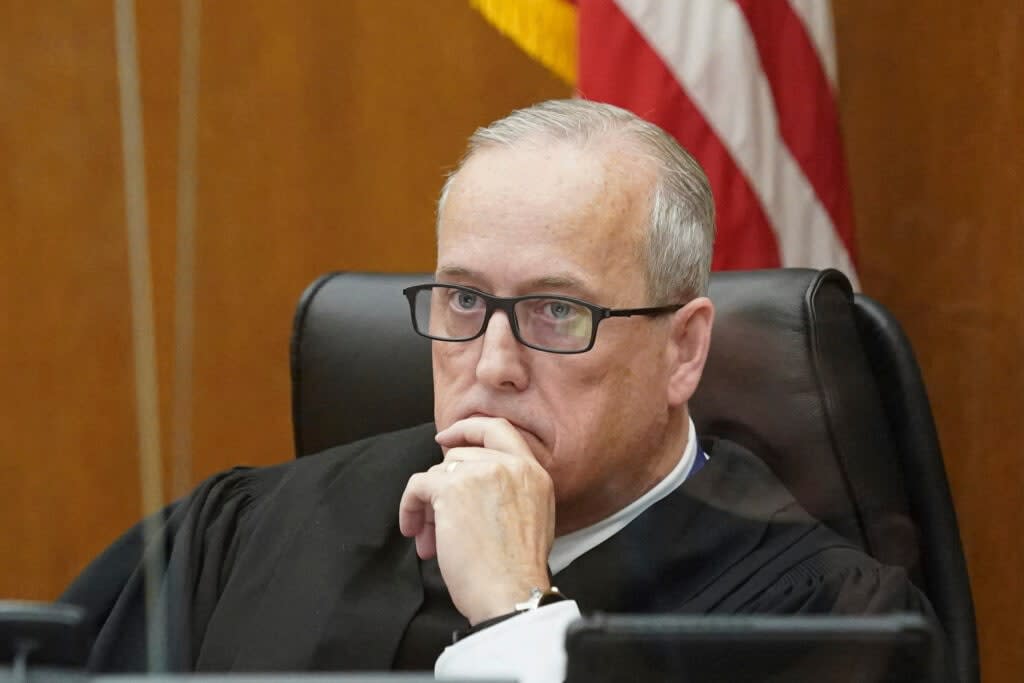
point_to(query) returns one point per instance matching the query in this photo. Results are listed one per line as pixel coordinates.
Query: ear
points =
(689, 340)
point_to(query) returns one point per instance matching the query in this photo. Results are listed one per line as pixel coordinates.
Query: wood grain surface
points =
(932, 99)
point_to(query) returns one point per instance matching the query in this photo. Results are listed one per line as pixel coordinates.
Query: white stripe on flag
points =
(816, 16)
(708, 46)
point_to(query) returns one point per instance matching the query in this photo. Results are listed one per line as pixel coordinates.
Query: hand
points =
(487, 512)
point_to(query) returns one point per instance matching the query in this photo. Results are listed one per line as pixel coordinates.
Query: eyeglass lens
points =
(455, 314)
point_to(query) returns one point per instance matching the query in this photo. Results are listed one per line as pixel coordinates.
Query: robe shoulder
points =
(788, 562)
(197, 542)
(841, 581)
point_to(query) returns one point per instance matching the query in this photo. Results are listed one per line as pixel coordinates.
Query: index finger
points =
(495, 433)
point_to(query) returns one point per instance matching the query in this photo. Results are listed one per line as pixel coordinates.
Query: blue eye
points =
(466, 300)
(560, 310)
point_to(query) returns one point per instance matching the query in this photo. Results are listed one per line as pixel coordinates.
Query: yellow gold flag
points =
(543, 29)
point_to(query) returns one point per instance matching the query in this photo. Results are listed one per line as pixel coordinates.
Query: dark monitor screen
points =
(39, 633)
(708, 649)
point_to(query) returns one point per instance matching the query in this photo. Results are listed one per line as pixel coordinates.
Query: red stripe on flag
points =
(808, 118)
(618, 66)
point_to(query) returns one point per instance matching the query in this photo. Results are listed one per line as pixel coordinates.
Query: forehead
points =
(553, 211)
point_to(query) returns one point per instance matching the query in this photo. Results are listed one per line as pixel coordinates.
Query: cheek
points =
(607, 404)
(583, 403)
(449, 371)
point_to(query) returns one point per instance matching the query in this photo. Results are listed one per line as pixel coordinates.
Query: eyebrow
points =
(559, 281)
(457, 271)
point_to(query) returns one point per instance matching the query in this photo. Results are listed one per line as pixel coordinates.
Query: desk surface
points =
(65, 676)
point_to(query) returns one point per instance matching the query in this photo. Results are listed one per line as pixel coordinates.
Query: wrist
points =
(507, 599)
(538, 598)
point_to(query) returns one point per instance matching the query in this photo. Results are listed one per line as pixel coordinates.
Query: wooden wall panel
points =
(351, 112)
(933, 110)
(66, 437)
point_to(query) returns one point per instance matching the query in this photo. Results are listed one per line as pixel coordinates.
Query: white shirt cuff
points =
(529, 647)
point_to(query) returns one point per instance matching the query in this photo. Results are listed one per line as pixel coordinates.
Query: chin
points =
(559, 475)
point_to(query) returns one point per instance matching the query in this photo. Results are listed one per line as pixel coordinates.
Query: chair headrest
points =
(788, 378)
(358, 368)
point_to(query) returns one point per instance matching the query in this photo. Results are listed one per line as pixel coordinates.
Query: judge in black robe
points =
(301, 566)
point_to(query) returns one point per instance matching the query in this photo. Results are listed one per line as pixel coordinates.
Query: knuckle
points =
(487, 468)
(508, 464)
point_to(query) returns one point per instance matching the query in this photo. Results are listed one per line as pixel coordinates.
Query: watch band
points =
(540, 597)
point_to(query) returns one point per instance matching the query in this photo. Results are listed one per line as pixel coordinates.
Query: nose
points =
(502, 363)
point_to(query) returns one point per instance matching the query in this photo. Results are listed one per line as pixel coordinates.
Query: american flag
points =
(747, 86)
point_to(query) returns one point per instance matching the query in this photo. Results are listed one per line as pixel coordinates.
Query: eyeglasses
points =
(556, 324)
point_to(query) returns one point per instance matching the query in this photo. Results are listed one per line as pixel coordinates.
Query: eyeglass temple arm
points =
(627, 312)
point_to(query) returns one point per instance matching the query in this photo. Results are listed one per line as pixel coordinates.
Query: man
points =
(571, 328)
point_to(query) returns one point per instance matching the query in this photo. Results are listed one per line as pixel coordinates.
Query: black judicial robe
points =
(301, 566)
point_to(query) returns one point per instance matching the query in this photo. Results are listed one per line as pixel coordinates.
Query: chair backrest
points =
(818, 382)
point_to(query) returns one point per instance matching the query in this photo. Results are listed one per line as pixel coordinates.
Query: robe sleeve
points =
(840, 582)
(195, 543)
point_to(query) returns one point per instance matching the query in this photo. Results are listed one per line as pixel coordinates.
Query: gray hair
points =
(681, 231)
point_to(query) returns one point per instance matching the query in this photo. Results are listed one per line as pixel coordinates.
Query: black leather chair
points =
(818, 381)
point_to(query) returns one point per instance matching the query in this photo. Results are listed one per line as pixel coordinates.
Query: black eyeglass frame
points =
(507, 304)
